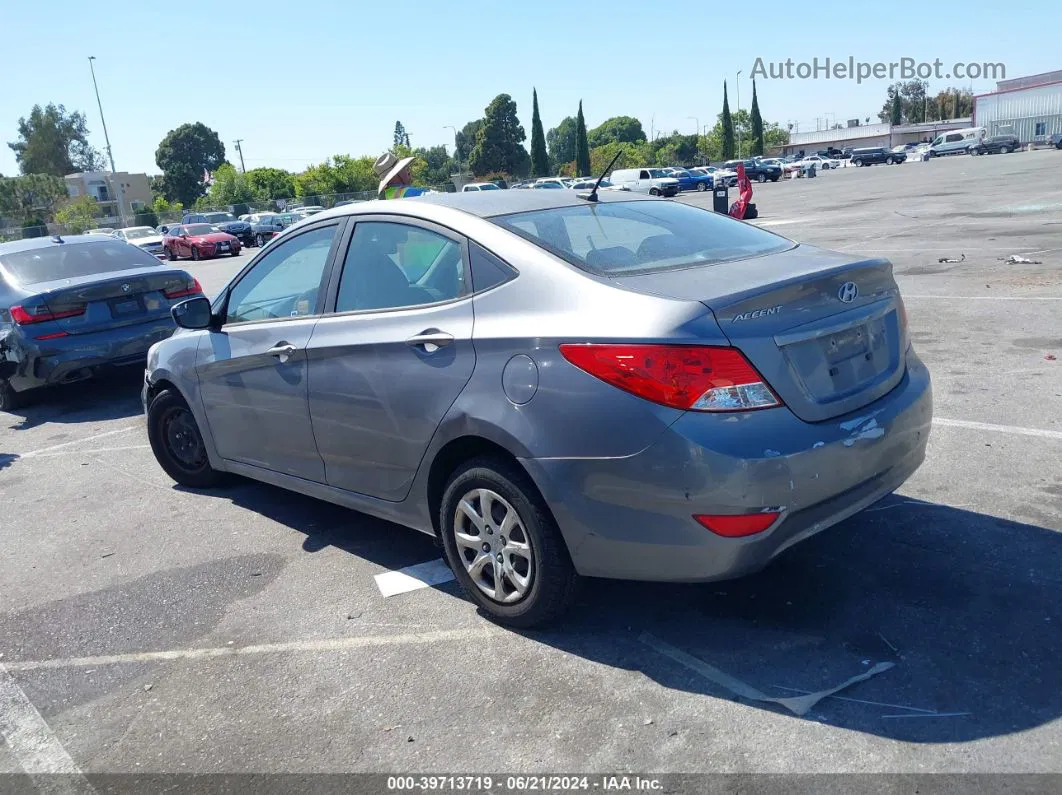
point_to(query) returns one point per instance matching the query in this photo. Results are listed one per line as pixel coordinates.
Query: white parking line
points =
(411, 578)
(43, 450)
(986, 297)
(325, 644)
(985, 426)
(33, 744)
(55, 453)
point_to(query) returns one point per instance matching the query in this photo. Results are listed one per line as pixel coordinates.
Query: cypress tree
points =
(897, 110)
(757, 124)
(582, 147)
(728, 128)
(539, 158)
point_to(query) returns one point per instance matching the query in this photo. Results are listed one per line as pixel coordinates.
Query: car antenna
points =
(592, 195)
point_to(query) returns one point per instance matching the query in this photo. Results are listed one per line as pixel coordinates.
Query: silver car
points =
(552, 386)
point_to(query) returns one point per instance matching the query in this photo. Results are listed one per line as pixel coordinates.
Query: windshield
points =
(200, 229)
(219, 218)
(548, 186)
(489, 186)
(641, 237)
(143, 231)
(75, 261)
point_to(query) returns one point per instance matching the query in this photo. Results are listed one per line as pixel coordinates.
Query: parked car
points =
(725, 175)
(956, 142)
(995, 145)
(103, 230)
(757, 172)
(690, 180)
(820, 162)
(271, 225)
(550, 182)
(876, 155)
(618, 430)
(308, 209)
(145, 237)
(476, 187)
(199, 241)
(73, 307)
(226, 222)
(1055, 140)
(589, 182)
(162, 229)
(645, 180)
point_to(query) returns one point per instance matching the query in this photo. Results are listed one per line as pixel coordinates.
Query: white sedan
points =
(819, 161)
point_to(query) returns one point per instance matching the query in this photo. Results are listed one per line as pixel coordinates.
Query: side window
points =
(487, 270)
(953, 137)
(643, 175)
(285, 282)
(391, 266)
(1041, 128)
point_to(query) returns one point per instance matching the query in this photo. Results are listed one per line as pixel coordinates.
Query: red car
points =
(199, 241)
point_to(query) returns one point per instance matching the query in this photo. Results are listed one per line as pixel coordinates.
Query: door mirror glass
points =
(194, 313)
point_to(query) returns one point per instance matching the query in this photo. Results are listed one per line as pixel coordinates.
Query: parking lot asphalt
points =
(156, 629)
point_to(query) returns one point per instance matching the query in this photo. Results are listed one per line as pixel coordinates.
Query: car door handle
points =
(430, 340)
(282, 350)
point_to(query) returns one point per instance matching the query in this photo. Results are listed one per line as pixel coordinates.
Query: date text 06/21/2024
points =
(523, 783)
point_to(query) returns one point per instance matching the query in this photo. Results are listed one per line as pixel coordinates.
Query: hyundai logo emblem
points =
(848, 292)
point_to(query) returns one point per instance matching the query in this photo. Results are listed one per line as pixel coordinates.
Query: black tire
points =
(889, 161)
(775, 179)
(859, 163)
(554, 582)
(1004, 150)
(654, 192)
(195, 254)
(259, 240)
(189, 466)
(235, 252)
(170, 255)
(702, 187)
(761, 178)
(10, 400)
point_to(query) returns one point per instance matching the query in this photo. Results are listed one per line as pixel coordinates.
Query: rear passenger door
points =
(392, 354)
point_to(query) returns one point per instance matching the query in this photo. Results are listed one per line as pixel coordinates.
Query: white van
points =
(645, 180)
(956, 142)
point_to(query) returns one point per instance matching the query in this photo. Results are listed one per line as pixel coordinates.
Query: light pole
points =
(107, 139)
(696, 134)
(238, 141)
(704, 132)
(457, 152)
(737, 96)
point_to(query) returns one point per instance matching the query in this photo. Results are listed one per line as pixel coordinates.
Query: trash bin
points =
(721, 197)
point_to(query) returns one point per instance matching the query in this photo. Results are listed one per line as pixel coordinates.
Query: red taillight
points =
(28, 315)
(738, 525)
(696, 377)
(181, 292)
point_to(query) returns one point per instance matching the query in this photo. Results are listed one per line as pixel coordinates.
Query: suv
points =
(758, 171)
(226, 222)
(872, 155)
(997, 144)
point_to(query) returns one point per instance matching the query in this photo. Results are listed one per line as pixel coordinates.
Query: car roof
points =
(33, 243)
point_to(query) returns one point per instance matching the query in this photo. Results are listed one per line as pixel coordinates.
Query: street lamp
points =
(457, 152)
(107, 139)
(737, 96)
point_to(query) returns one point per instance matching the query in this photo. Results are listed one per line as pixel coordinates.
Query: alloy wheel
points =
(494, 546)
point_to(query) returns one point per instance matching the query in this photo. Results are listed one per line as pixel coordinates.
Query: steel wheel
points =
(183, 439)
(494, 546)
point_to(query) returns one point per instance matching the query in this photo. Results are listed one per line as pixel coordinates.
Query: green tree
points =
(401, 136)
(561, 142)
(539, 158)
(757, 124)
(438, 166)
(727, 128)
(466, 140)
(183, 155)
(30, 196)
(52, 141)
(582, 146)
(775, 136)
(910, 96)
(896, 111)
(78, 215)
(618, 129)
(146, 216)
(230, 187)
(271, 183)
(631, 155)
(499, 142)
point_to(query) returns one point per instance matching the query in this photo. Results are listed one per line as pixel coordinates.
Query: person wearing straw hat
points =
(396, 178)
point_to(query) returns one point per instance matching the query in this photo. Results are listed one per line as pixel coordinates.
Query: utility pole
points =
(238, 141)
(114, 172)
(737, 96)
(457, 152)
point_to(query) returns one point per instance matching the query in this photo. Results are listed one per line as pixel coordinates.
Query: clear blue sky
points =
(300, 81)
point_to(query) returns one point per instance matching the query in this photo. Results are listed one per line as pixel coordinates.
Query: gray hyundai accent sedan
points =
(554, 385)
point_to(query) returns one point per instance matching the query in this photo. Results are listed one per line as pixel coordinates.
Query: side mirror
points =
(195, 313)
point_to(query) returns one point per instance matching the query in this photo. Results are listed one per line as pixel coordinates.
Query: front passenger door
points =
(252, 372)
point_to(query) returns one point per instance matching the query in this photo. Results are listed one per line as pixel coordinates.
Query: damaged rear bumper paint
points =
(632, 517)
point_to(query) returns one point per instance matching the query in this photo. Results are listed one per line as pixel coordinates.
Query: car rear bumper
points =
(77, 357)
(632, 518)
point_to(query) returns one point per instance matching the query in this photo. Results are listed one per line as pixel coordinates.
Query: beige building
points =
(103, 187)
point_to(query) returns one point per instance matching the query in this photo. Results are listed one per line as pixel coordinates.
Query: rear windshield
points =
(218, 218)
(642, 236)
(75, 260)
(200, 229)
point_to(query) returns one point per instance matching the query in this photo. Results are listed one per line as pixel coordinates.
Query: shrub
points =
(34, 227)
(145, 216)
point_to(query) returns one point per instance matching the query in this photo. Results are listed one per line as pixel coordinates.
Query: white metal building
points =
(1028, 107)
(865, 135)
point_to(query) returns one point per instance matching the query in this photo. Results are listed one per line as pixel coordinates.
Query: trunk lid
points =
(825, 347)
(112, 300)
